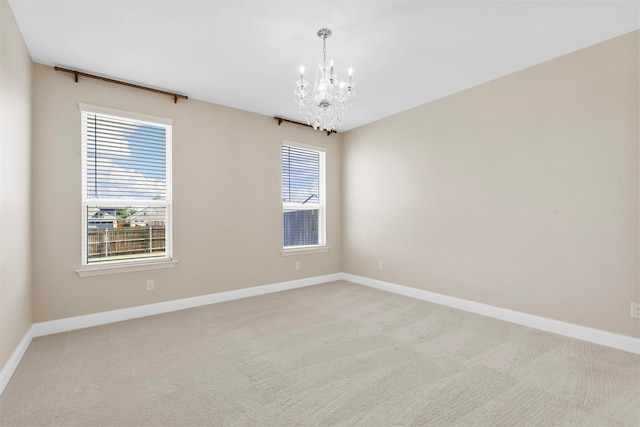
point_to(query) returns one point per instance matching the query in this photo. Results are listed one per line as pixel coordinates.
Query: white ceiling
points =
(246, 55)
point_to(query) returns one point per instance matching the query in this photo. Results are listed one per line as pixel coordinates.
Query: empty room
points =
(319, 213)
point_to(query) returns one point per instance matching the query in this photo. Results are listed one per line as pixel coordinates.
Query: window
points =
(126, 187)
(303, 198)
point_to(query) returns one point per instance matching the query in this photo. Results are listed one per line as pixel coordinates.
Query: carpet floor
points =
(336, 354)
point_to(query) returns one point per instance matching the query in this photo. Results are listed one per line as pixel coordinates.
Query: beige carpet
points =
(333, 354)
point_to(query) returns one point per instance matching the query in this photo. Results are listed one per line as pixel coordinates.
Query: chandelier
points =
(325, 102)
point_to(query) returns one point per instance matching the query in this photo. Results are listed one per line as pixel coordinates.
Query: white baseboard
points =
(596, 336)
(9, 368)
(106, 317)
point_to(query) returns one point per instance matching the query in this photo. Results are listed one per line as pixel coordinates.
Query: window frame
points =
(130, 264)
(321, 206)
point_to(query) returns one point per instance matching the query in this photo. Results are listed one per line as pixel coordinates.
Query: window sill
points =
(300, 250)
(100, 270)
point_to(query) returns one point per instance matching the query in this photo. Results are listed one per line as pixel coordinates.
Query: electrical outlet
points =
(635, 310)
(381, 266)
(151, 285)
(297, 265)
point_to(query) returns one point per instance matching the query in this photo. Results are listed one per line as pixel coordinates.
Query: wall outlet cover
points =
(635, 310)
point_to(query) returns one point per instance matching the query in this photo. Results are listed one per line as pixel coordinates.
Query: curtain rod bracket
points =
(105, 79)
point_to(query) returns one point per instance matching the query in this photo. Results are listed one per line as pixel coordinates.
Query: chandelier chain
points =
(324, 51)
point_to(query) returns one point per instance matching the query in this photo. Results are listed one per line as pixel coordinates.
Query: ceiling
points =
(246, 55)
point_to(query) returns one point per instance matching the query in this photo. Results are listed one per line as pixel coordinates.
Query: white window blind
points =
(125, 158)
(126, 187)
(303, 196)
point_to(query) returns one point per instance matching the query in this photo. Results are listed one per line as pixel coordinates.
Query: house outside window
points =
(303, 196)
(126, 188)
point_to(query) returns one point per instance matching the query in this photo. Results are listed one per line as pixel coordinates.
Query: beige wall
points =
(520, 193)
(226, 191)
(15, 206)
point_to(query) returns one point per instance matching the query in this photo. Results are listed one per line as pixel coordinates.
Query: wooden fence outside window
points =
(128, 242)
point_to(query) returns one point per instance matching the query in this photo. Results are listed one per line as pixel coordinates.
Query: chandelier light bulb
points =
(301, 70)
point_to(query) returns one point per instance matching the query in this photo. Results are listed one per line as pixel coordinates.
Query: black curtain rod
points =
(281, 119)
(93, 76)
